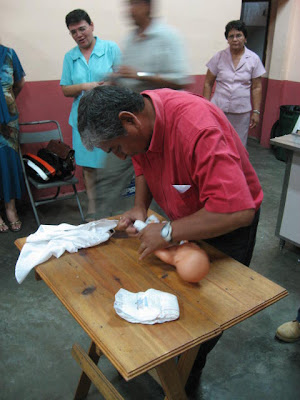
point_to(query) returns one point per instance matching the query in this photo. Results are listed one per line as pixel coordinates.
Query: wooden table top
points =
(86, 283)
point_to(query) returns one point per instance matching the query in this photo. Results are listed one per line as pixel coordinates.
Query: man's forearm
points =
(162, 81)
(206, 225)
(143, 196)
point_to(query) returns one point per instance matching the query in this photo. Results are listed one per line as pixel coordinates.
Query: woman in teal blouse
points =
(85, 67)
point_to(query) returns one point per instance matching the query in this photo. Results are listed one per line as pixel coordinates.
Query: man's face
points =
(125, 146)
(139, 10)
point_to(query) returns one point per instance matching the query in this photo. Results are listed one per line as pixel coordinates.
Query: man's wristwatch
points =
(166, 232)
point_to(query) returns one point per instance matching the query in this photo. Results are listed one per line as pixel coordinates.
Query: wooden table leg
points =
(84, 383)
(184, 366)
(186, 362)
(91, 373)
(171, 380)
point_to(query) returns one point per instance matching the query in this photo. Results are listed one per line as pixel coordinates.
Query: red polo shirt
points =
(194, 144)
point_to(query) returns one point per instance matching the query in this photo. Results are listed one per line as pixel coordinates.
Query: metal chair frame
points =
(43, 137)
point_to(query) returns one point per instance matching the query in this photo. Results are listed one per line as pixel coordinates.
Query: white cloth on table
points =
(150, 307)
(54, 240)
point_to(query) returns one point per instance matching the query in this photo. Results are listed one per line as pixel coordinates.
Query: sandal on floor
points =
(15, 226)
(3, 227)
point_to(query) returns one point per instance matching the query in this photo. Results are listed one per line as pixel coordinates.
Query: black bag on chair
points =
(38, 169)
(288, 117)
(61, 157)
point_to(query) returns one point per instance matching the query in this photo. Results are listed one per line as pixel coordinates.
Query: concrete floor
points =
(37, 332)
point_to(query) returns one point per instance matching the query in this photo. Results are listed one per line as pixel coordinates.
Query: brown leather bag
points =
(61, 157)
(59, 148)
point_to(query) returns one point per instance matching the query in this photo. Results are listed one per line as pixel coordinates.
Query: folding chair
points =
(44, 137)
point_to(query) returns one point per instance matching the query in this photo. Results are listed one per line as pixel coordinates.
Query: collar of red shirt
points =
(157, 140)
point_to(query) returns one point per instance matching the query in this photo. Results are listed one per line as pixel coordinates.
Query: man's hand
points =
(129, 217)
(151, 240)
(127, 72)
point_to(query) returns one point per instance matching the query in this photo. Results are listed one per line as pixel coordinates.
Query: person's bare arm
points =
(256, 94)
(155, 79)
(18, 86)
(200, 225)
(75, 90)
(205, 225)
(143, 198)
(208, 84)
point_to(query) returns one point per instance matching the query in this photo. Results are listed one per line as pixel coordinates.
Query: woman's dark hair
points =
(76, 16)
(238, 25)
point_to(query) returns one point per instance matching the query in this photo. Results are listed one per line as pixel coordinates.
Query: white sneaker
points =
(289, 332)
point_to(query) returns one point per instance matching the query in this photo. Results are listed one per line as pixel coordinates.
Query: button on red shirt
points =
(193, 144)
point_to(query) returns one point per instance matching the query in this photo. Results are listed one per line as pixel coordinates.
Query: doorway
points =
(255, 14)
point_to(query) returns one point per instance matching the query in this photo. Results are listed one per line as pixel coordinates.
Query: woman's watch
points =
(166, 232)
(256, 112)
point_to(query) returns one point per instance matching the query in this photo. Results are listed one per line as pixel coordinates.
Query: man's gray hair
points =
(98, 113)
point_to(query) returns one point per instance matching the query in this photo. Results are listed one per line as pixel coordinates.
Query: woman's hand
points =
(254, 120)
(91, 85)
(76, 90)
(129, 217)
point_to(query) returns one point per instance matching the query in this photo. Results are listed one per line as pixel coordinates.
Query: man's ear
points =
(129, 120)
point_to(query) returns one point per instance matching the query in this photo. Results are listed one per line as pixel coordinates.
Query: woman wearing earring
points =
(237, 72)
(84, 68)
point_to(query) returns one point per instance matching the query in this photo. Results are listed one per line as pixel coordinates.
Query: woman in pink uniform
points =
(237, 72)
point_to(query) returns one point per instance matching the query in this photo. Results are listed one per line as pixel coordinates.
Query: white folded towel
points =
(54, 240)
(150, 307)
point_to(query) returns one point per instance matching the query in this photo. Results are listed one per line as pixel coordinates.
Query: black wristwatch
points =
(166, 232)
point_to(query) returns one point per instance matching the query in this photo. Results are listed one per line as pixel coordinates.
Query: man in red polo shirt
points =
(188, 158)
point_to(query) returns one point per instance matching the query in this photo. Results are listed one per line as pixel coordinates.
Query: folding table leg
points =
(84, 383)
(184, 366)
(171, 380)
(186, 362)
(92, 374)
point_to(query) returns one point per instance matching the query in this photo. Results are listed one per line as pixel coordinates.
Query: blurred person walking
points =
(153, 56)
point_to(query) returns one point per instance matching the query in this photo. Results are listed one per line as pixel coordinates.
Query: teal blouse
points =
(104, 59)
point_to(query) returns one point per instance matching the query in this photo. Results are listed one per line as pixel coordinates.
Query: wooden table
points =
(86, 283)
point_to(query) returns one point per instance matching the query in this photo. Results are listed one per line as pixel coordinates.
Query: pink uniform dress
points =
(233, 87)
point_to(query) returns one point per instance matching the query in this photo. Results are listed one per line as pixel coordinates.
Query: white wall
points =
(285, 58)
(37, 31)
